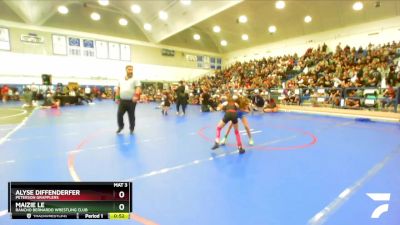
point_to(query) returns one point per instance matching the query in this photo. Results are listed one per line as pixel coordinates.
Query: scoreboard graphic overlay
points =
(70, 200)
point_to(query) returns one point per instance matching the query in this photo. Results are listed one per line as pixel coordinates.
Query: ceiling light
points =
(123, 22)
(242, 19)
(95, 16)
(163, 15)
(147, 26)
(62, 9)
(224, 43)
(186, 2)
(307, 19)
(280, 4)
(104, 2)
(272, 29)
(136, 9)
(216, 29)
(196, 37)
(358, 6)
(245, 37)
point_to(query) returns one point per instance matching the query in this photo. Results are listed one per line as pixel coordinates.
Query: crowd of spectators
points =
(48, 94)
(343, 68)
(346, 68)
(9, 93)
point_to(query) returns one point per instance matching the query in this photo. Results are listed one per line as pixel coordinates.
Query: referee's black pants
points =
(126, 106)
(183, 103)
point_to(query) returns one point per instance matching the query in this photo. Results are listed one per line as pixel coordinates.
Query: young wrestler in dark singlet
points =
(166, 103)
(243, 103)
(231, 108)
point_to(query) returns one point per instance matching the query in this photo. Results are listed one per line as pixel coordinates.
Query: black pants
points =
(126, 106)
(179, 103)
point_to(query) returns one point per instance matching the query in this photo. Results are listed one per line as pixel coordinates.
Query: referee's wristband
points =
(118, 97)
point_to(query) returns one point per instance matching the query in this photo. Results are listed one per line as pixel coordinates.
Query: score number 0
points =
(121, 206)
(121, 195)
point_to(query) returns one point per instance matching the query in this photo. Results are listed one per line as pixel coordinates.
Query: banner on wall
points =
(125, 52)
(59, 44)
(4, 39)
(102, 49)
(114, 50)
(88, 48)
(85, 47)
(190, 58)
(32, 38)
(74, 46)
(206, 62)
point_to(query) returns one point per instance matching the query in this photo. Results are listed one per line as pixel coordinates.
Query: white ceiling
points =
(199, 17)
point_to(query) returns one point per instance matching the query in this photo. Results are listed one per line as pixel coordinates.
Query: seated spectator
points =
(257, 102)
(143, 98)
(357, 82)
(290, 97)
(27, 97)
(4, 93)
(82, 98)
(334, 97)
(270, 105)
(50, 103)
(72, 93)
(328, 82)
(374, 77)
(352, 101)
(389, 97)
(346, 82)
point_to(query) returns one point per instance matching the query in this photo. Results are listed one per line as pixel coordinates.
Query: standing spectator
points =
(205, 101)
(10, 94)
(384, 70)
(391, 79)
(88, 92)
(34, 89)
(95, 92)
(127, 95)
(115, 92)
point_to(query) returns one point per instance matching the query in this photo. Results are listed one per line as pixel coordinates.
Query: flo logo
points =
(379, 197)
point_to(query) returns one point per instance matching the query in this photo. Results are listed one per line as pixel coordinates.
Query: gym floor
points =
(303, 169)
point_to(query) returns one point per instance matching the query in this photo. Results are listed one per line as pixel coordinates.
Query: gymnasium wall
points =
(26, 62)
(377, 32)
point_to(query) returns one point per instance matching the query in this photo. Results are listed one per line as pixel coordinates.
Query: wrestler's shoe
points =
(251, 141)
(216, 145)
(223, 141)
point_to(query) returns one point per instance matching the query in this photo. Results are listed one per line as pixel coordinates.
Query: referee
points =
(128, 93)
(181, 98)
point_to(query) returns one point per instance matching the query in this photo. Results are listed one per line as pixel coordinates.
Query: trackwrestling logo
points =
(379, 197)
